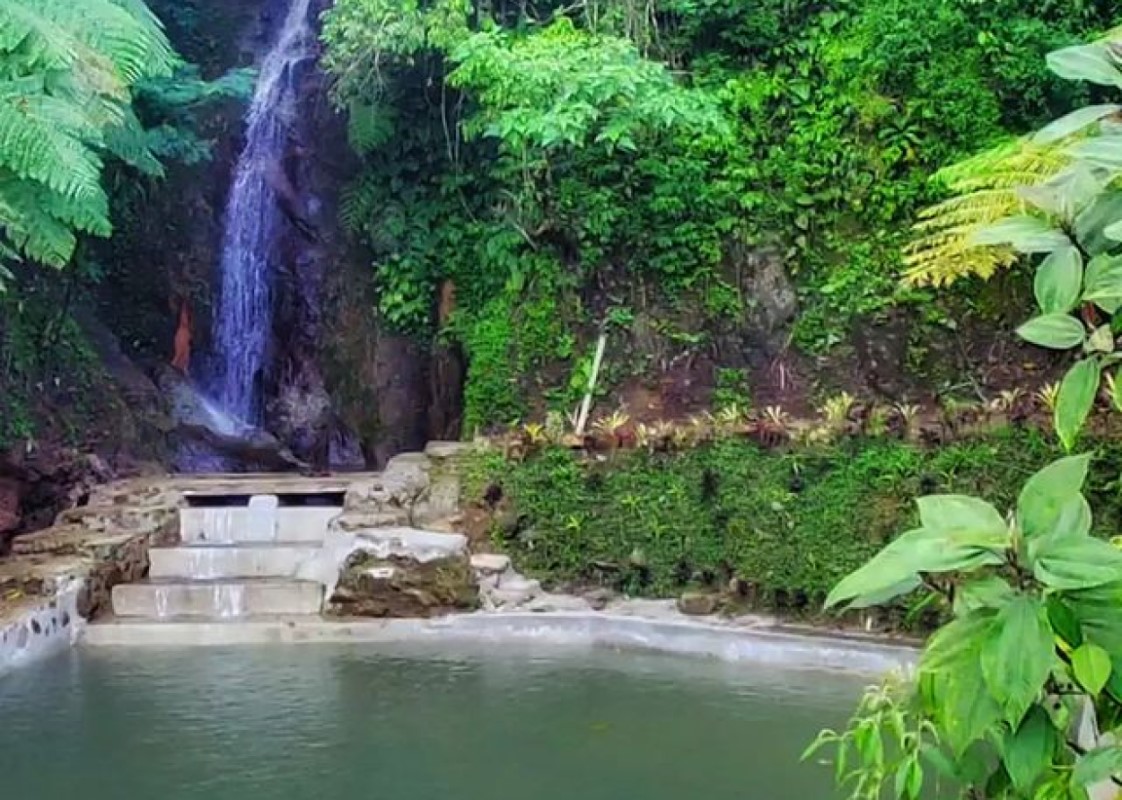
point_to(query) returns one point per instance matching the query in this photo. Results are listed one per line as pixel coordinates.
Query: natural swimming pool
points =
(412, 722)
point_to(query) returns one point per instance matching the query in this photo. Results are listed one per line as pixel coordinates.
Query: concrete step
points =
(234, 524)
(218, 599)
(206, 561)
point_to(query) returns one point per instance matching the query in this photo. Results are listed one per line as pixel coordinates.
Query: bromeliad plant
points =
(1009, 697)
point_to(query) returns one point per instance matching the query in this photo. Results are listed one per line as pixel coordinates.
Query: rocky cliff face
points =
(329, 361)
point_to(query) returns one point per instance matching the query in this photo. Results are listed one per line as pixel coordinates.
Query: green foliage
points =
(732, 390)
(632, 151)
(66, 73)
(565, 87)
(1073, 219)
(45, 362)
(1000, 688)
(790, 524)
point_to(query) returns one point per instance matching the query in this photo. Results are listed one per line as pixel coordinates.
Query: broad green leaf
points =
(1066, 562)
(1096, 610)
(938, 759)
(988, 591)
(1063, 620)
(1056, 331)
(888, 594)
(967, 712)
(1085, 62)
(958, 642)
(1098, 765)
(1017, 656)
(1027, 752)
(964, 520)
(1074, 122)
(1091, 665)
(1114, 231)
(1077, 396)
(1101, 341)
(1046, 495)
(1103, 152)
(1026, 234)
(1103, 280)
(1089, 225)
(1067, 194)
(1059, 279)
(894, 569)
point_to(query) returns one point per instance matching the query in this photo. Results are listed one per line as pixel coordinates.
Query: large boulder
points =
(402, 587)
(212, 439)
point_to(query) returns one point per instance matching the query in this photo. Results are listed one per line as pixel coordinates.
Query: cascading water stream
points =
(253, 218)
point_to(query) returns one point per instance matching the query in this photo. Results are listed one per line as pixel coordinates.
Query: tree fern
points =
(985, 188)
(66, 75)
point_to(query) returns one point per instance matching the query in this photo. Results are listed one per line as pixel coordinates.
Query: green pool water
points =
(318, 722)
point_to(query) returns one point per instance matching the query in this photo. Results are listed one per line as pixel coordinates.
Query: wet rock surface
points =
(404, 587)
(698, 604)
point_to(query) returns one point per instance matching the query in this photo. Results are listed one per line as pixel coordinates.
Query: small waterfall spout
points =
(253, 217)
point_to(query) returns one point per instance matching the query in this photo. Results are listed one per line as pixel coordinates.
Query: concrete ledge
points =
(217, 599)
(201, 562)
(575, 629)
(42, 629)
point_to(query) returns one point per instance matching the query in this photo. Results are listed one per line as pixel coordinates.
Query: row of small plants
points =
(840, 416)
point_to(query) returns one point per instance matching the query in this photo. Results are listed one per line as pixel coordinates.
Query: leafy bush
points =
(791, 524)
(1001, 699)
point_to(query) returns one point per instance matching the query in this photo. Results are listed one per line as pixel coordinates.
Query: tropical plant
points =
(984, 189)
(1073, 219)
(1010, 695)
(1047, 395)
(66, 76)
(836, 409)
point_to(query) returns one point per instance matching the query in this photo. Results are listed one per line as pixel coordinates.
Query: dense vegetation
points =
(1019, 693)
(789, 524)
(569, 167)
(93, 103)
(553, 172)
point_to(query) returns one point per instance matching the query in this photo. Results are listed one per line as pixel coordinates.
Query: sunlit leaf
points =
(1066, 562)
(1074, 122)
(1046, 494)
(1055, 331)
(1091, 665)
(1086, 62)
(1025, 233)
(964, 520)
(1059, 279)
(1076, 397)
(1017, 655)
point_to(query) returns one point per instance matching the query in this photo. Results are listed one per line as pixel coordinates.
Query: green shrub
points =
(791, 524)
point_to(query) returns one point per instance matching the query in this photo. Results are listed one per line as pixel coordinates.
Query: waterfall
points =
(253, 218)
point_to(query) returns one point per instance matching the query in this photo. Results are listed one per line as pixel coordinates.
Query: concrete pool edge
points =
(563, 628)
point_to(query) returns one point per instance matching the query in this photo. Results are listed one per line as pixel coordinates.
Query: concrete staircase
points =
(238, 557)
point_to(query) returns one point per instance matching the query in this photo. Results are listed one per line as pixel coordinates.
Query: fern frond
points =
(48, 140)
(28, 227)
(127, 34)
(359, 203)
(129, 142)
(369, 126)
(67, 69)
(985, 190)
